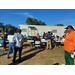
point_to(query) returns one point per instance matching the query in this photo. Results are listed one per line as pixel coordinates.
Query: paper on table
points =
(72, 55)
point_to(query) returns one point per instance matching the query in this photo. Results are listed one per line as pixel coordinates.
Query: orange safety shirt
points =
(69, 43)
(38, 36)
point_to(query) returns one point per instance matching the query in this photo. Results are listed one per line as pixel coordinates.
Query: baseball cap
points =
(69, 26)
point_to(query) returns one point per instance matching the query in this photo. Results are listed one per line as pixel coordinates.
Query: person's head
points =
(11, 32)
(32, 36)
(37, 33)
(44, 32)
(69, 28)
(51, 32)
(19, 30)
(48, 32)
(35, 37)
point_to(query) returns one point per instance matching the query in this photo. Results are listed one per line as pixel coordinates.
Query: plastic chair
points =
(37, 43)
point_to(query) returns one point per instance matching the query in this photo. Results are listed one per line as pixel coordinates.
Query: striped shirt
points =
(19, 39)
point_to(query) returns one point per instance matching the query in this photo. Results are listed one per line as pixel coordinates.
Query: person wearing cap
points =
(69, 45)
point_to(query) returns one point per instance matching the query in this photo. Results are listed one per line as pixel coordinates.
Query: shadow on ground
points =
(27, 57)
(56, 64)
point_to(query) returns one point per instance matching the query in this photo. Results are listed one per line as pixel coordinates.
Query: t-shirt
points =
(25, 37)
(49, 36)
(38, 36)
(11, 38)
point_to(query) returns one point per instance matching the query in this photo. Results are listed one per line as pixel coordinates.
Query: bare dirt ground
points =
(32, 56)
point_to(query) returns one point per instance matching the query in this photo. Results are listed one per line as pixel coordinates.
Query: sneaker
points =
(19, 60)
(13, 61)
(8, 57)
(63, 64)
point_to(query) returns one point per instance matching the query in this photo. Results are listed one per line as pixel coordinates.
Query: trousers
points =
(68, 59)
(17, 49)
(48, 44)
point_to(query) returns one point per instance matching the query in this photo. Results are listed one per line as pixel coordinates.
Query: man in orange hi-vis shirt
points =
(69, 45)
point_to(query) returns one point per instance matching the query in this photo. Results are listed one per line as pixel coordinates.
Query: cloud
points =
(25, 14)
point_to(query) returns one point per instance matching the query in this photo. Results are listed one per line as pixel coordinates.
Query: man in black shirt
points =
(44, 35)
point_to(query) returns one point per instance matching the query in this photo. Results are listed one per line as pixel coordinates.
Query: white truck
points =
(32, 30)
(29, 31)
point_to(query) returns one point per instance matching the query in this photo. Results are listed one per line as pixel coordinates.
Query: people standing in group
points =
(69, 45)
(18, 39)
(11, 42)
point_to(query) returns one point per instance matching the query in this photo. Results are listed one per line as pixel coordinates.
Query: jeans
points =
(11, 45)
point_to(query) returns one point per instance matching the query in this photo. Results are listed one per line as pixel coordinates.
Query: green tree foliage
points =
(31, 21)
(59, 25)
(8, 26)
(2, 25)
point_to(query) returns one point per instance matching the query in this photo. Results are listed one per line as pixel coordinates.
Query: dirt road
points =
(30, 56)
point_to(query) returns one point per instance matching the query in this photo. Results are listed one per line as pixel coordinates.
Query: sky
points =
(50, 16)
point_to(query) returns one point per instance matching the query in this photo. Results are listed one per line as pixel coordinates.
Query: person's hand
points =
(64, 33)
(72, 52)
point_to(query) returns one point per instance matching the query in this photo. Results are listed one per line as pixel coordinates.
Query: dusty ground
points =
(30, 56)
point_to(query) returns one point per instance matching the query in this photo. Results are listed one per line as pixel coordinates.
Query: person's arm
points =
(65, 35)
(73, 44)
(14, 40)
(8, 38)
(65, 32)
(22, 40)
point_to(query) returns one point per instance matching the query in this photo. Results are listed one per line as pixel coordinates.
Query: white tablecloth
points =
(45, 41)
(33, 41)
(30, 41)
(58, 41)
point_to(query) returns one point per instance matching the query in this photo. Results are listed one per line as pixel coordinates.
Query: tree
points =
(31, 21)
(2, 25)
(59, 25)
(9, 26)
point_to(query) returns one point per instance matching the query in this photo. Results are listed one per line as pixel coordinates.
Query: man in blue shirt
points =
(49, 37)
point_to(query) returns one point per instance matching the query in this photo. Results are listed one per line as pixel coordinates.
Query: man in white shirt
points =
(18, 39)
